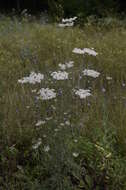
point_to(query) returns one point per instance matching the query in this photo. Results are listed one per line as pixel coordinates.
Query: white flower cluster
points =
(90, 51)
(46, 94)
(84, 51)
(75, 154)
(37, 144)
(62, 66)
(32, 78)
(82, 93)
(78, 51)
(66, 65)
(67, 22)
(46, 148)
(91, 73)
(109, 78)
(60, 75)
(40, 122)
(69, 64)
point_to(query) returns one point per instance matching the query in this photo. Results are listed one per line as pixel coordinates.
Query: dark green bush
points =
(82, 8)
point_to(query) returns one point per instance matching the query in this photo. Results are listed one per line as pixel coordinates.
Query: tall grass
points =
(86, 138)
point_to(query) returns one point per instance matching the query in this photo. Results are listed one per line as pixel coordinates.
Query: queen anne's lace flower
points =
(75, 154)
(48, 118)
(46, 94)
(69, 64)
(69, 19)
(78, 51)
(66, 65)
(91, 73)
(60, 75)
(90, 51)
(109, 78)
(37, 144)
(67, 123)
(66, 24)
(46, 148)
(34, 90)
(82, 93)
(32, 78)
(62, 66)
(75, 140)
(40, 122)
(84, 51)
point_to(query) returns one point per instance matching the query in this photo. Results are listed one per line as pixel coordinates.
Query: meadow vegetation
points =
(65, 143)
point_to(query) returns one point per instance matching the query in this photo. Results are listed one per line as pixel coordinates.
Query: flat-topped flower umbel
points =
(90, 51)
(91, 73)
(78, 51)
(69, 19)
(82, 93)
(67, 22)
(32, 78)
(85, 51)
(46, 94)
(67, 65)
(60, 75)
(46, 148)
(40, 122)
(37, 144)
(109, 78)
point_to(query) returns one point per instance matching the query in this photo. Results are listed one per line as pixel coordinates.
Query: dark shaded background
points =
(70, 6)
(19, 5)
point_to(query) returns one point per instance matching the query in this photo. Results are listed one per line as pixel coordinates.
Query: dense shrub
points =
(90, 7)
(82, 8)
(58, 8)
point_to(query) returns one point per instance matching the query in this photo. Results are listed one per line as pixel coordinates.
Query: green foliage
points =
(99, 167)
(56, 9)
(82, 8)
